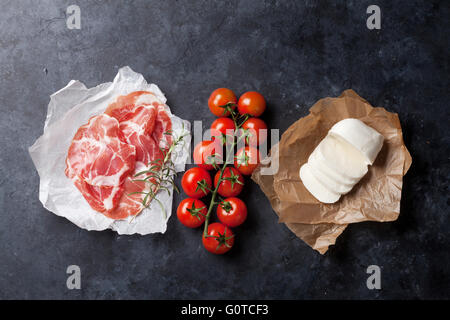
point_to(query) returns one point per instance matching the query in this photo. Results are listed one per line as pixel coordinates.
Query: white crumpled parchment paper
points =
(71, 107)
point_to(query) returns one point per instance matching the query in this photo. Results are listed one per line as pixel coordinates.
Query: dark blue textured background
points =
(294, 52)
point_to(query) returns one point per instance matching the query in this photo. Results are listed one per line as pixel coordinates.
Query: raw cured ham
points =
(137, 127)
(99, 161)
(126, 104)
(99, 154)
(134, 192)
(149, 137)
(143, 120)
(136, 123)
(131, 202)
(102, 199)
(163, 125)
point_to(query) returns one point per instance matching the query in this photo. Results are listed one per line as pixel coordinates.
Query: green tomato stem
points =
(222, 169)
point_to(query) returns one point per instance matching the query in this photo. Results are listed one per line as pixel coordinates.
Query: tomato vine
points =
(238, 122)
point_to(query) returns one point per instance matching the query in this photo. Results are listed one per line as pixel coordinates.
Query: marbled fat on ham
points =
(106, 153)
(102, 199)
(148, 137)
(99, 161)
(99, 154)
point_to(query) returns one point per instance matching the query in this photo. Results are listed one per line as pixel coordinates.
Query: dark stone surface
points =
(294, 52)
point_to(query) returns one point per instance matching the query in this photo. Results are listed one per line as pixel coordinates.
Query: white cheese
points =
(328, 182)
(342, 157)
(319, 163)
(316, 188)
(340, 160)
(364, 138)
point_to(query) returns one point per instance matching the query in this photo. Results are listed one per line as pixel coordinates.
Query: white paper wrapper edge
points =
(71, 107)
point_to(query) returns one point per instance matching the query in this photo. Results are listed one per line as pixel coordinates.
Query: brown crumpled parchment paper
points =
(375, 198)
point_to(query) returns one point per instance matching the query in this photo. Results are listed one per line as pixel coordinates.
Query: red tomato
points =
(207, 153)
(220, 127)
(246, 160)
(255, 131)
(233, 183)
(218, 99)
(191, 212)
(219, 238)
(252, 103)
(196, 182)
(232, 212)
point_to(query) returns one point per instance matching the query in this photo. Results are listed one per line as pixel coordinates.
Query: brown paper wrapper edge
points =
(319, 224)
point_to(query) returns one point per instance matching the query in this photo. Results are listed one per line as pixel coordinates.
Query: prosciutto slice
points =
(142, 117)
(106, 153)
(99, 154)
(150, 137)
(137, 128)
(101, 199)
(163, 126)
(99, 160)
(131, 202)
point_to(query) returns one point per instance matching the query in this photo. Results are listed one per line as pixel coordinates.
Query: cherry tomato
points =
(196, 182)
(219, 98)
(233, 183)
(220, 127)
(207, 153)
(232, 212)
(255, 131)
(246, 160)
(219, 238)
(252, 103)
(191, 212)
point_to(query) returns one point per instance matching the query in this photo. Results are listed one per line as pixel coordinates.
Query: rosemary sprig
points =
(161, 173)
